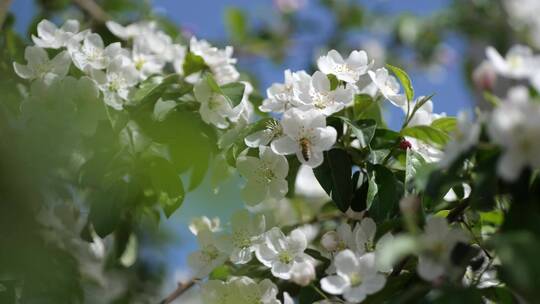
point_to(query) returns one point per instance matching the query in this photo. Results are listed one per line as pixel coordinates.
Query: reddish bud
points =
(405, 144)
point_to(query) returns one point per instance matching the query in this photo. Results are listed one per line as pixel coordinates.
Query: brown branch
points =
(178, 292)
(4, 8)
(93, 9)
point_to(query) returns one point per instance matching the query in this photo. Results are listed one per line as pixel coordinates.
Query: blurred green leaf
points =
(405, 81)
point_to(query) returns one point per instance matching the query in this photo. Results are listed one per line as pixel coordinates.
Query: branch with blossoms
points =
(339, 207)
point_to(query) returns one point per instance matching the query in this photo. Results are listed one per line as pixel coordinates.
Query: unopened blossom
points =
(281, 253)
(436, 245)
(93, 54)
(117, 81)
(338, 240)
(515, 126)
(303, 273)
(485, 76)
(246, 233)
(39, 66)
(247, 291)
(266, 176)
(348, 70)
(315, 93)
(283, 96)
(464, 137)
(214, 108)
(388, 86)
(356, 277)
(519, 62)
(208, 257)
(306, 135)
(51, 37)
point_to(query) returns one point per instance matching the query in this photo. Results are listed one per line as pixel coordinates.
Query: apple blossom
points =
(348, 70)
(214, 108)
(518, 63)
(93, 54)
(356, 277)
(208, 256)
(306, 135)
(465, 136)
(245, 235)
(315, 93)
(116, 81)
(39, 66)
(52, 37)
(266, 176)
(283, 96)
(281, 253)
(388, 86)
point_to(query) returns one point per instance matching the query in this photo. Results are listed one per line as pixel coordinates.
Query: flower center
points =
(209, 253)
(285, 257)
(241, 240)
(355, 279)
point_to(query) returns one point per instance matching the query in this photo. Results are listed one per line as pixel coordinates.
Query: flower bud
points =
(330, 241)
(303, 273)
(409, 205)
(485, 76)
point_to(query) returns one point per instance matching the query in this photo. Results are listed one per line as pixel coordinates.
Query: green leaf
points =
(334, 82)
(335, 176)
(405, 81)
(384, 205)
(162, 108)
(193, 64)
(445, 124)
(152, 89)
(236, 22)
(384, 139)
(167, 185)
(427, 134)
(234, 91)
(106, 207)
(413, 163)
(362, 129)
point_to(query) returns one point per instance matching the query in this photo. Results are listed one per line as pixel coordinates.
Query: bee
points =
(306, 151)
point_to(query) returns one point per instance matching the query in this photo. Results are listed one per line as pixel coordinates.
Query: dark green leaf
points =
(334, 175)
(106, 207)
(362, 129)
(167, 185)
(388, 193)
(193, 64)
(334, 82)
(234, 91)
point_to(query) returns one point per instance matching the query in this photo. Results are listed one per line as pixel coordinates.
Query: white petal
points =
(281, 270)
(284, 145)
(428, 269)
(265, 255)
(510, 165)
(297, 241)
(346, 263)
(321, 82)
(254, 193)
(374, 283)
(278, 188)
(355, 294)
(325, 138)
(23, 71)
(334, 284)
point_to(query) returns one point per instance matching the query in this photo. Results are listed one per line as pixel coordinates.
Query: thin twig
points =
(93, 9)
(4, 8)
(178, 292)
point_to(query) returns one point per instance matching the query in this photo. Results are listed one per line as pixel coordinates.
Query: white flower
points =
(208, 256)
(264, 137)
(281, 253)
(93, 54)
(485, 76)
(245, 235)
(356, 277)
(204, 223)
(315, 93)
(179, 57)
(52, 37)
(464, 137)
(436, 245)
(515, 126)
(131, 30)
(424, 115)
(348, 70)
(518, 63)
(282, 96)
(388, 86)
(219, 61)
(145, 61)
(339, 240)
(116, 82)
(306, 135)
(39, 66)
(266, 176)
(215, 108)
(247, 291)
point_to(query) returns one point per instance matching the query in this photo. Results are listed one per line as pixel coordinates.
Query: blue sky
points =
(205, 19)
